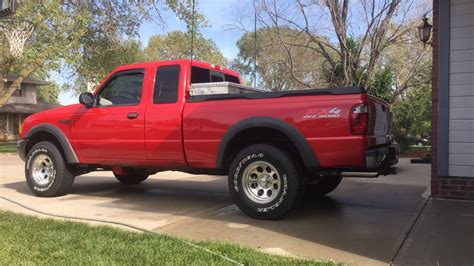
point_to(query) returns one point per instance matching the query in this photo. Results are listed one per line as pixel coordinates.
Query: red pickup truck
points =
(274, 146)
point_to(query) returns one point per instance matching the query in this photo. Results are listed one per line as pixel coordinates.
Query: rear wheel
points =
(46, 171)
(327, 185)
(264, 182)
(131, 176)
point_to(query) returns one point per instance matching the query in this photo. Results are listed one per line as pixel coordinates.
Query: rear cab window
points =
(167, 81)
(204, 75)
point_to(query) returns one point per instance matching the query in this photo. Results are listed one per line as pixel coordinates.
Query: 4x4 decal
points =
(319, 113)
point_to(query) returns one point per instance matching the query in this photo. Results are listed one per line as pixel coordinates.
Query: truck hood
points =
(61, 110)
(51, 116)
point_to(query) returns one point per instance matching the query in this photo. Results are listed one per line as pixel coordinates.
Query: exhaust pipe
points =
(360, 174)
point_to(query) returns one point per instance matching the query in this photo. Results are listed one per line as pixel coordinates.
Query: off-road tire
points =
(132, 176)
(58, 179)
(290, 181)
(327, 185)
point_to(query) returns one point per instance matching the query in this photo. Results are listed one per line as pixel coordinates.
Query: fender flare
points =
(310, 159)
(69, 153)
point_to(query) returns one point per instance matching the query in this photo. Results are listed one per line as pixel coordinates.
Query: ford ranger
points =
(274, 146)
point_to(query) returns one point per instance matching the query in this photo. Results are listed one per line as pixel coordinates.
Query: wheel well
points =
(255, 135)
(43, 136)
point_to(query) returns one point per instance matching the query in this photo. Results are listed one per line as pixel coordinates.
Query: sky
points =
(217, 13)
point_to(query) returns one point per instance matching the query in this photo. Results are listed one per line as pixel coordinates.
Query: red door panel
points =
(108, 133)
(114, 130)
(163, 123)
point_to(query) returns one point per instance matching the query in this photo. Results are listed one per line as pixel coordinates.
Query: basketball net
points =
(17, 36)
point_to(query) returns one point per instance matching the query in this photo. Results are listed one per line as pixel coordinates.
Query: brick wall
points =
(458, 188)
(443, 186)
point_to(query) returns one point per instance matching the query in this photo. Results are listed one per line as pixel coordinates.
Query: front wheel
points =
(264, 182)
(46, 171)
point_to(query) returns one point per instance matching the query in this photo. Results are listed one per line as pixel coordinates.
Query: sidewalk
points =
(442, 235)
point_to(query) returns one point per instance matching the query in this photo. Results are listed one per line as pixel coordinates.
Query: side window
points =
(125, 89)
(166, 84)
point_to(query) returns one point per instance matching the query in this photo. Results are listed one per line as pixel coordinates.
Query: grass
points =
(7, 147)
(30, 240)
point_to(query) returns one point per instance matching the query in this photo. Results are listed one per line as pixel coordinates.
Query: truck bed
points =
(279, 94)
(322, 116)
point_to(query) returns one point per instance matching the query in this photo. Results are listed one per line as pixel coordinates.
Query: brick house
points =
(21, 104)
(453, 99)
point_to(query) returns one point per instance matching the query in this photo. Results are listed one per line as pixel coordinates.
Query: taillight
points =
(359, 119)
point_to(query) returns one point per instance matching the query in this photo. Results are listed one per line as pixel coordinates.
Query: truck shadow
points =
(363, 218)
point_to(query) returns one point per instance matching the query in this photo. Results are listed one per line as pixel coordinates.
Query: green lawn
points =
(7, 147)
(30, 240)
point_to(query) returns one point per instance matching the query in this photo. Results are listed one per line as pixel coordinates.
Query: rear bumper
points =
(379, 161)
(383, 157)
(21, 148)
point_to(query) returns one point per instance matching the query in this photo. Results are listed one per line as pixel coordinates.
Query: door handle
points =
(132, 115)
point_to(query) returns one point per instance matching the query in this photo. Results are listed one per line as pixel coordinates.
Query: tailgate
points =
(380, 120)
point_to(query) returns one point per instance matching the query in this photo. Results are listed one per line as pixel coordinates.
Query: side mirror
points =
(87, 99)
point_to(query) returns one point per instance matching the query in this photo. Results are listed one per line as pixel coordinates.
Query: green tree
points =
(177, 45)
(56, 37)
(382, 87)
(98, 60)
(279, 67)
(412, 114)
(109, 41)
(48, 93)
(184, 10)
(75, 35)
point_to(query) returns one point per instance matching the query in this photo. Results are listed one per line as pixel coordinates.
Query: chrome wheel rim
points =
(43, 170)
(261, 182)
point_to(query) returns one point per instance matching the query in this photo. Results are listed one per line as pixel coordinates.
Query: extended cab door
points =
(113, 130)
(163, 124)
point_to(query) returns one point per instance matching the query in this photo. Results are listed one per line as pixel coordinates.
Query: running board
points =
(384, 172)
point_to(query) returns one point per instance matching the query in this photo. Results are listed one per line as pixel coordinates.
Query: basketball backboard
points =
(7, 7)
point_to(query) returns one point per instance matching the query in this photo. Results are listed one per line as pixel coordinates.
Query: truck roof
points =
(179, 61)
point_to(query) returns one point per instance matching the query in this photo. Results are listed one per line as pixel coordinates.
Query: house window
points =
(20, 92)
(13, 124)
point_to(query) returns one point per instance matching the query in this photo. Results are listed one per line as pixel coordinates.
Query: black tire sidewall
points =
(290, 185)
(62, 179)
(35, 152)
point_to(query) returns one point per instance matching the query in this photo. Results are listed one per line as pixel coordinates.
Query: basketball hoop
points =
(17, 35)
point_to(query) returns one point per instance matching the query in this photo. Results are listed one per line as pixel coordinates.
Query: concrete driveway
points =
(363, 222)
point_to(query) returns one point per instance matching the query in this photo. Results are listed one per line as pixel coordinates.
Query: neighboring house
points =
(21, 104)
(453, 99)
